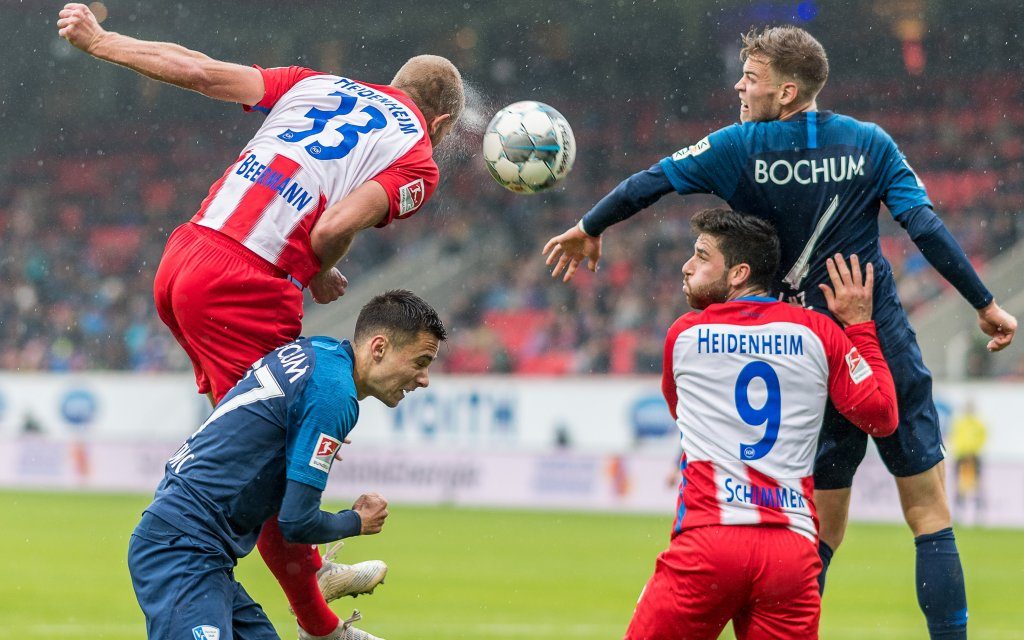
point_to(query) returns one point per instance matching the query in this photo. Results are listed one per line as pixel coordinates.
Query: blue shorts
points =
(187, 588)
(915, 447)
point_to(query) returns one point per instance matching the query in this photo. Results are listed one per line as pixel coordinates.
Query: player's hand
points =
(337, 454)
(997, 323)
(328, 286)
(372, 509)
(79, 26)
(849, 298)
(568, 250)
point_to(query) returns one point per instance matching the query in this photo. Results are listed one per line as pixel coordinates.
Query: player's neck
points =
(746, 293)
(797, 110)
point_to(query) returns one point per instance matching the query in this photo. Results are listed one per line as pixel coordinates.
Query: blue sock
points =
(940, 585)
(825, 553)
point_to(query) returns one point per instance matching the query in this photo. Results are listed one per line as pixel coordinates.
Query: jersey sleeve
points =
(901, 189)
(326, 411)
(859, 382)
(712, 165)
(409, 182)
(276, 82)
(668, 373)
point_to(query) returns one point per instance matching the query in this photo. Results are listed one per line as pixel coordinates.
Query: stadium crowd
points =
(82, 229)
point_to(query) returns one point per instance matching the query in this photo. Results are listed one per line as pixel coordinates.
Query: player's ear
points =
(788, 93)
(378, 346)
(739, 274)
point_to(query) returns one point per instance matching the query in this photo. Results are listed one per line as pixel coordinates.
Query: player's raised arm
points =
(567, 251)
(163, 61)
(860, 383)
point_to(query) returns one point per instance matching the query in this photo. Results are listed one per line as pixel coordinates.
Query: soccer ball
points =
(529, 147)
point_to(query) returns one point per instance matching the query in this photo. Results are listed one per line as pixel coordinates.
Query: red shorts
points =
(764, 579)
(226, 306)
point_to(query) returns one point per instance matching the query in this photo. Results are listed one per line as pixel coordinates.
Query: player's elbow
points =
(294, 531)
(884, 420)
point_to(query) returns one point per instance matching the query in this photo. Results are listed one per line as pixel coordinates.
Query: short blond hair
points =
(434, 84)
(791, 52)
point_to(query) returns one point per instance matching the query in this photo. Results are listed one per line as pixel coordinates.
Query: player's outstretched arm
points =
(163, 61)
(998, 324)
(568, 250)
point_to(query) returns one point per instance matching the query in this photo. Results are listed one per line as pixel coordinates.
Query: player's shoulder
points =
(682, 323)
(864, 127)
(334, 365)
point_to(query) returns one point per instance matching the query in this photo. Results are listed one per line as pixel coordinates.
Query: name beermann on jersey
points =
(811, 171)
(406, 121)
(257, 173)
(770, 344)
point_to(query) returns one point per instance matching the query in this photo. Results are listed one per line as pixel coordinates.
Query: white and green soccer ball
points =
(529, 147)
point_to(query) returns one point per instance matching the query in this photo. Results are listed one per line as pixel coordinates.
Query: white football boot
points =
(340, 580)
(345, 631)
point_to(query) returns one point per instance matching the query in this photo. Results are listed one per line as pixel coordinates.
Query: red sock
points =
(295, 567)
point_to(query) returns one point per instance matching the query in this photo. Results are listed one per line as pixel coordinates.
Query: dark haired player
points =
(746, 378)
(267, 449)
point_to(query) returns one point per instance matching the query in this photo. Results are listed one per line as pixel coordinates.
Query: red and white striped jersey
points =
(324, 136)
(747, 382)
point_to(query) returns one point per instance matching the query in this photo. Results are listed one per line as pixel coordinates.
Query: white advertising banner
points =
(586, 443)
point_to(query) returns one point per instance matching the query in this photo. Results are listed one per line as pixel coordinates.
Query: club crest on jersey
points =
(693, 150)
(410, 196)
(858, 366)
(206, 632)
(323, 452)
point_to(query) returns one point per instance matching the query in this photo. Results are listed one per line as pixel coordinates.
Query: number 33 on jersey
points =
(324, 136)
(747, 382)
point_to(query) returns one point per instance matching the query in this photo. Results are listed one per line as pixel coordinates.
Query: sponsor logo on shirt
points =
(858, 366)
(206, 632)
(410, 196)
(693, 150)
(323, 453)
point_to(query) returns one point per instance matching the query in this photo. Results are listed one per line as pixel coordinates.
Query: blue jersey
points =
(283, 421)
(820, 178)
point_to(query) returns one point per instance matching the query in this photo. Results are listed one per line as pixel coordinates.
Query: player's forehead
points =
(758, 66)
(706, 244)
(424, 345)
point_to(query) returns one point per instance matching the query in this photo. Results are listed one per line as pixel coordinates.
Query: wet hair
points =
(434, 84)
(792, 53)
(742, 239)
(399, 314)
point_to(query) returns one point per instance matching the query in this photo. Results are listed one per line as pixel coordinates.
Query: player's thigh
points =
(841, 448)
(916, 445)
(250, 622)
(784, 602)
(232, 314)
(182, 586)
(698, 585)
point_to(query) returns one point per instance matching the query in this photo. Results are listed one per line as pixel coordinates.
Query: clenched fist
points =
(79, 26)
(372, 509)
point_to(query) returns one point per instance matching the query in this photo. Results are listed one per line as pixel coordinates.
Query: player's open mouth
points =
(743, 106)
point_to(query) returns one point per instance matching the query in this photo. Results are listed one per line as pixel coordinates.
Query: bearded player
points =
(333, 157)
(820, 178)
(746, 378)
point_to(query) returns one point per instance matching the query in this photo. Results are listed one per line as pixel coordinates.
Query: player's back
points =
(230, 475)
(820, 178)
(323, 137)
(750, 379)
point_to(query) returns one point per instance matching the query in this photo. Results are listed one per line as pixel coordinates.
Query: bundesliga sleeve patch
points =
(692, 150)
(323, 453)
(410, 196)
(858, 366)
